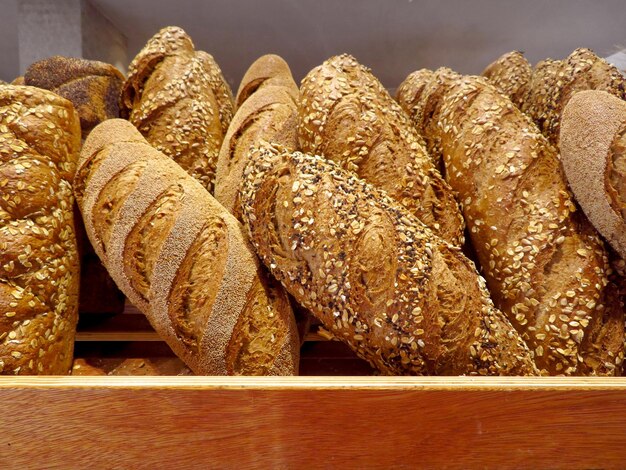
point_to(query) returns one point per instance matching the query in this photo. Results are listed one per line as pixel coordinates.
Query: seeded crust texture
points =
(178, 99)
(39, 271)
(267, 71)
(269, 113)
(546, 268)
(94, 89)
(378, 279)
(593, 143)
(511, 74)
(181, 258)
(347, 116)
(18, 81)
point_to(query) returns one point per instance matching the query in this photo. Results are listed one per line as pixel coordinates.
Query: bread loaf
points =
(511, 74)
(593, 152)
(181, 258)
(268, 70)
(378, 279)
(18, 81)
(347, 116)
(178, 99)
(39, 144)
(131, 367)
(544, 265)
(94, 89)
(269, 113)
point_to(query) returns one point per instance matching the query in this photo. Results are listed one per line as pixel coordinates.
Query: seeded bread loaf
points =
(378, 279)
(94, 89)
(593, 146)
(511, 74)
(269, 113)
(39, 145)
(18, 81)
(268, 70)
(347, 116)
(181, 258)
(544, 264)
(178, 99)
(555, 82)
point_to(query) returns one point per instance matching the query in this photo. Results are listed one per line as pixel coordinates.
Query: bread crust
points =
(39, 271)
(511, 74)
(378, 279)
(544, 264)
(347, 116)
(267, 71)
(167, 224)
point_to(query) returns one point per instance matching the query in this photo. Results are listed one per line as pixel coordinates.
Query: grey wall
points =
(393, 37)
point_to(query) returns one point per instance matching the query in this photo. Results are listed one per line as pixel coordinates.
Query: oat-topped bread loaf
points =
(93, 87)
(181, 258)
(511, 74)
(39, 271)
(378, 279)
(269, 113)
(593, 152)
(94, 90)
(18, 81)
(178, 99)
(347, 116)
(544, 264)
(268, 70)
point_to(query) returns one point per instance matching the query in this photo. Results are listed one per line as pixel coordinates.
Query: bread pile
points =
(219, 217)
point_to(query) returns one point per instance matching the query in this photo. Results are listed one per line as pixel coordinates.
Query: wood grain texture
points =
(195, 422)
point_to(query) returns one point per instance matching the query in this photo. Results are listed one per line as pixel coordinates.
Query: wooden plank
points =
(197, 422)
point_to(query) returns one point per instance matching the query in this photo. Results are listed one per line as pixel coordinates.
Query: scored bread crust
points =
(378, 279)
(179, 100)
(39, 271)
(592, 121)
(181, 258)
(347, 116)
(267, 71)
(269, 113)
(545, 266)
(511, 74)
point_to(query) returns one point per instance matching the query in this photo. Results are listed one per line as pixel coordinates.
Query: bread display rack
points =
(133, 403)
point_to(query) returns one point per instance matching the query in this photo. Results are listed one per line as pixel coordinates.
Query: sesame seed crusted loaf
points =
(181, 258)
(94, 89)
(347, 116)
(269, 113)
(378, 279)
(39, 145)
(267, 70)
(555, 82)
(178, 99)
(511, 74)
(544, 264)
(593, 151)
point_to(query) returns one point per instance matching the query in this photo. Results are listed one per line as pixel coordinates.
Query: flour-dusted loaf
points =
(94, 89)
(545, 266)
(347, 116)
(181, 258)
(269, 113)
(511, 74)
(39, 271)
(178, 99)
(378, 279)
(593, 152)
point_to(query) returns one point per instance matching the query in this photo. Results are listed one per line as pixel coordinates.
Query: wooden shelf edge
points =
(319, 383)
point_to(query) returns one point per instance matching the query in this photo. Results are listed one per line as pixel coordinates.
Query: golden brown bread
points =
(178, 99)
(347, 116)
(131, 366)
(269, 113)
(18, 81)
(544, 264)
(593, 152)
(181, 258)
(267, 70)
(94, 89)
(511, 74)
(39, 144)
(555, 82)
(377, 278)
